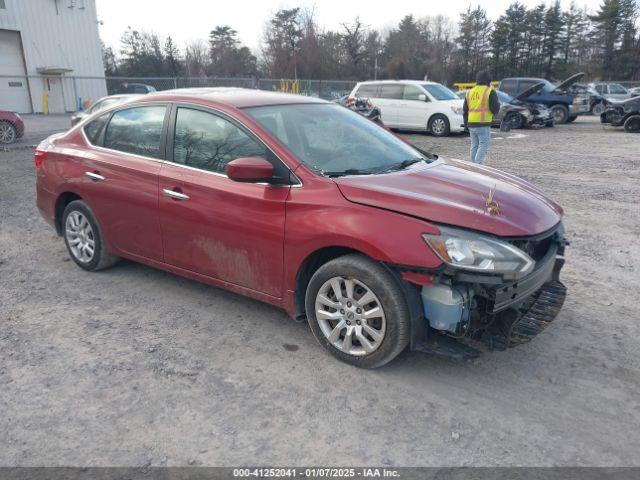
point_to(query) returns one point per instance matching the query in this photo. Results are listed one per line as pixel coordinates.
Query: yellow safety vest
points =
(478, 103)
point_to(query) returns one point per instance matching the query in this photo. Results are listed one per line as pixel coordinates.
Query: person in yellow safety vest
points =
(481, 103)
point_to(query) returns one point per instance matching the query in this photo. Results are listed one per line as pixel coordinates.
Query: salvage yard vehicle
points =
(308, 206)
(612, 90)
(101, 104)
(414, 105)
(558, 98)
(517, 113)
(11, 127)
(625, 114)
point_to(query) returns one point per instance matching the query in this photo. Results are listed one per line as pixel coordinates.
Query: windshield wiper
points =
(401, 166)
(348, 171)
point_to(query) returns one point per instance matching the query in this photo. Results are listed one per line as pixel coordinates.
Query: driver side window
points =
(413, 93)
(208, 142)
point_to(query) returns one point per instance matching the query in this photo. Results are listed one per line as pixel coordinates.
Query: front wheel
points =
(560, 114)
(8, 133)
(358, 311)
(439, 126)
(514, 120)
(632, 124)
(571, 118)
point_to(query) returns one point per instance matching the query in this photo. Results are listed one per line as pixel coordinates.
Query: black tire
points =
(384, 285)
(571, 118)
(514, 119)
(101, 258)
(560, 114)
(632, 124)
(8, 132)
(441, 124)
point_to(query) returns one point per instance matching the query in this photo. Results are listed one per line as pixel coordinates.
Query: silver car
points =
(611, 90)
(101, 104)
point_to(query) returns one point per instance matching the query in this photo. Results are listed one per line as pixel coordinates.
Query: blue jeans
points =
(480, 138)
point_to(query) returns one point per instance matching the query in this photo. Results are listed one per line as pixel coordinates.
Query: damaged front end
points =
(492, 294)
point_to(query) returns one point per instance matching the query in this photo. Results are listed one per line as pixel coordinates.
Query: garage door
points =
(14, 91)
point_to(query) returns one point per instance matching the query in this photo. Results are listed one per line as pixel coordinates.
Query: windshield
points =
(331, 139)
(439, 92)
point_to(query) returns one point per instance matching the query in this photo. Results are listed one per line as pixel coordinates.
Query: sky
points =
(186, 20)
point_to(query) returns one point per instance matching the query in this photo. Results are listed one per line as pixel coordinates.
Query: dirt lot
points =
(133, 366)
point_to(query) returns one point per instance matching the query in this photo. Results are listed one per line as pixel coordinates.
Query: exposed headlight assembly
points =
(456, 110)
(472, 251)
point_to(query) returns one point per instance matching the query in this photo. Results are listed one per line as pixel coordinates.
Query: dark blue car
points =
(564, 106)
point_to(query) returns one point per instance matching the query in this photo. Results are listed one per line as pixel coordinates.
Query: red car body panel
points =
(253, 238)
(15, 120)
(456, 193)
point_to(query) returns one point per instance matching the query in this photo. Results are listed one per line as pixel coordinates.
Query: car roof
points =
(411, 82)
(231, 96)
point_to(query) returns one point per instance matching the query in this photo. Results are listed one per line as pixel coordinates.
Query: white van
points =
(414, 105)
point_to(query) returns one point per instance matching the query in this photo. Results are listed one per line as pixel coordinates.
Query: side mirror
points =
(422, 97)
(250, 170)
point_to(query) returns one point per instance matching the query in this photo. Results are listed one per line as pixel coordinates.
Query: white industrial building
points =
(46, 47)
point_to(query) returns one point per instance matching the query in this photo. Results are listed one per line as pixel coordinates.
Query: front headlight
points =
(456, 110)
(479, 253)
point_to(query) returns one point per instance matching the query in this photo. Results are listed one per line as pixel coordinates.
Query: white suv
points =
(414, 105)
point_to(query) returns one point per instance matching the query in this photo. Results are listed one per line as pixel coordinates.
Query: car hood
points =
(456, 193)
(530, 91)
(569, 81)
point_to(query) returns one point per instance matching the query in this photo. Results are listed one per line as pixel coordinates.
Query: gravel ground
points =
(133, 366)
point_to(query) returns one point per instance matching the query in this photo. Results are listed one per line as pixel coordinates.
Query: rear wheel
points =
(8, 133)
(83, 238)
(439, 126)
(560, 114)
(598, 108)
(632, 124)
(357, 311)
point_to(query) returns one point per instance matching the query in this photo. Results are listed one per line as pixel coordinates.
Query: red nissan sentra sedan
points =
(306, 205)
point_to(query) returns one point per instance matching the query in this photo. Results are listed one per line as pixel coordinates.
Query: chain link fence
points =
(62, 93)
(65, 93)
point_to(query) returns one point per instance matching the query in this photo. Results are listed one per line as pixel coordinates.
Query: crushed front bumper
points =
(501, 314)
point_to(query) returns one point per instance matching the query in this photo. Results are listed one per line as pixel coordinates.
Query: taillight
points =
(39, 158)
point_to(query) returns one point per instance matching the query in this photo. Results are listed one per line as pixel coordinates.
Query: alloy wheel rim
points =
(558, 114)
(80, 237)
(7, 134)
(350, 316)
(438, 125)
(514, 121)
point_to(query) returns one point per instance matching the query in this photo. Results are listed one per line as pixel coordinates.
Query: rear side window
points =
(392, 91)
(208, 142)
(370, 91)
(94, 128)
(508, 86)
(136, 130)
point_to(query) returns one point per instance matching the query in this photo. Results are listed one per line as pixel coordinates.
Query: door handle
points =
(174, 194)
(94, 176)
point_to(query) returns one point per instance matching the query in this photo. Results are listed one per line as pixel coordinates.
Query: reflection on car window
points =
(136, 130)
(616, 88)
(330, 138)
(439, 92)
(94, 128)
(209, 142)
